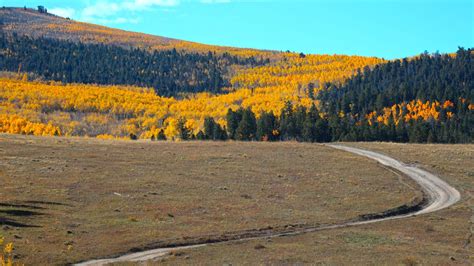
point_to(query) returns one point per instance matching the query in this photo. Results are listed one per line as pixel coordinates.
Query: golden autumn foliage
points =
(296, 71)
(14, 124)
(6, 257)
(52, 108)
(100, 34)
(118, 111)
(413, 110)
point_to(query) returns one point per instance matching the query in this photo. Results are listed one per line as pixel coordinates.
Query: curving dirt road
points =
(440, 195)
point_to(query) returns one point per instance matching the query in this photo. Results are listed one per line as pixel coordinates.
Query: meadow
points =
(441, 238)
(66, 200)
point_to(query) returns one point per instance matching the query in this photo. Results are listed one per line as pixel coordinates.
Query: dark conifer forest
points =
(426, 78)
(446, 79)
(168, 72)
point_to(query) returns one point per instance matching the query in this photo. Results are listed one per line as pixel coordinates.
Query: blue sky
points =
(383, 28)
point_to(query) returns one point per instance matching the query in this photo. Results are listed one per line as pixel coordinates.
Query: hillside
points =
(427, 98)
(42, 101)
(28, 107)
(32, 23)
(212, 92)
(169, 72)
(282, 110)
(192, 69)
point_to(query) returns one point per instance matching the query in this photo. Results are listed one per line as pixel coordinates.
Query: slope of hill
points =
(291, 97)
(48, 108)
(85, 109)
(35, 24)
(428, 98)
(169, 72)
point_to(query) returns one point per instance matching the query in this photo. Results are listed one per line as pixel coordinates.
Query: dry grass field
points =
(65, 200)
(442, 238)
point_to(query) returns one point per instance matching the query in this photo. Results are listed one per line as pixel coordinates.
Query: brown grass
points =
(441, 238)
(86, 198)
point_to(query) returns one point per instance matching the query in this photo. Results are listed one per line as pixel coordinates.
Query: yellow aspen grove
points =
(6, 256)
(412, 110)
(54, 109)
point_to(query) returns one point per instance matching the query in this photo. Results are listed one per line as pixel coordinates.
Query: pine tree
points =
(401, 132)
(309, 132)
(200, 135)
(322, 131)
(210, 128)
(266, 127)
(161, 135)
(183, 131)
(311, 91)
(287, 122)
(219, 133)
(247, 126)
(233, 120)
(299, 120)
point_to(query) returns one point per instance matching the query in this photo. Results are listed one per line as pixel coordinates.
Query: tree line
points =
(169, 72)
(300, 124)
(348, 112)
(428, 98)
(429, 77)
(309, 125)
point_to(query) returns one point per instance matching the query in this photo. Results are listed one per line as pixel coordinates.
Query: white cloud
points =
(62, 12)
(215, 1)
(118, 11)
(118, 20)
(147, 3)
(105, 11)
(101, 9)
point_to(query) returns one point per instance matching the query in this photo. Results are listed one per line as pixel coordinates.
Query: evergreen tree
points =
(161, 135)
(322, 131)
(200, 135)
(233, 120)
(210, 128)
(183, 131)
(441, 78)
(287, 122)
(247, 128)
(401, 132)
(267, 127)
(311, 91)
(309, 132)
(168, 72)
(220, 133)
(299, 120)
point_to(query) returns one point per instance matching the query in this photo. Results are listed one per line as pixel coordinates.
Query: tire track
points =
(440, 195)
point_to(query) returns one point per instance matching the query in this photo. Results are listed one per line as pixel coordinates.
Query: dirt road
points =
(439, 195)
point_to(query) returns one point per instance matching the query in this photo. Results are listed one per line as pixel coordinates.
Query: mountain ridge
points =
(32, 23)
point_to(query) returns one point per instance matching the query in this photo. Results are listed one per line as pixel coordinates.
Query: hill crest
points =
(32, 23)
